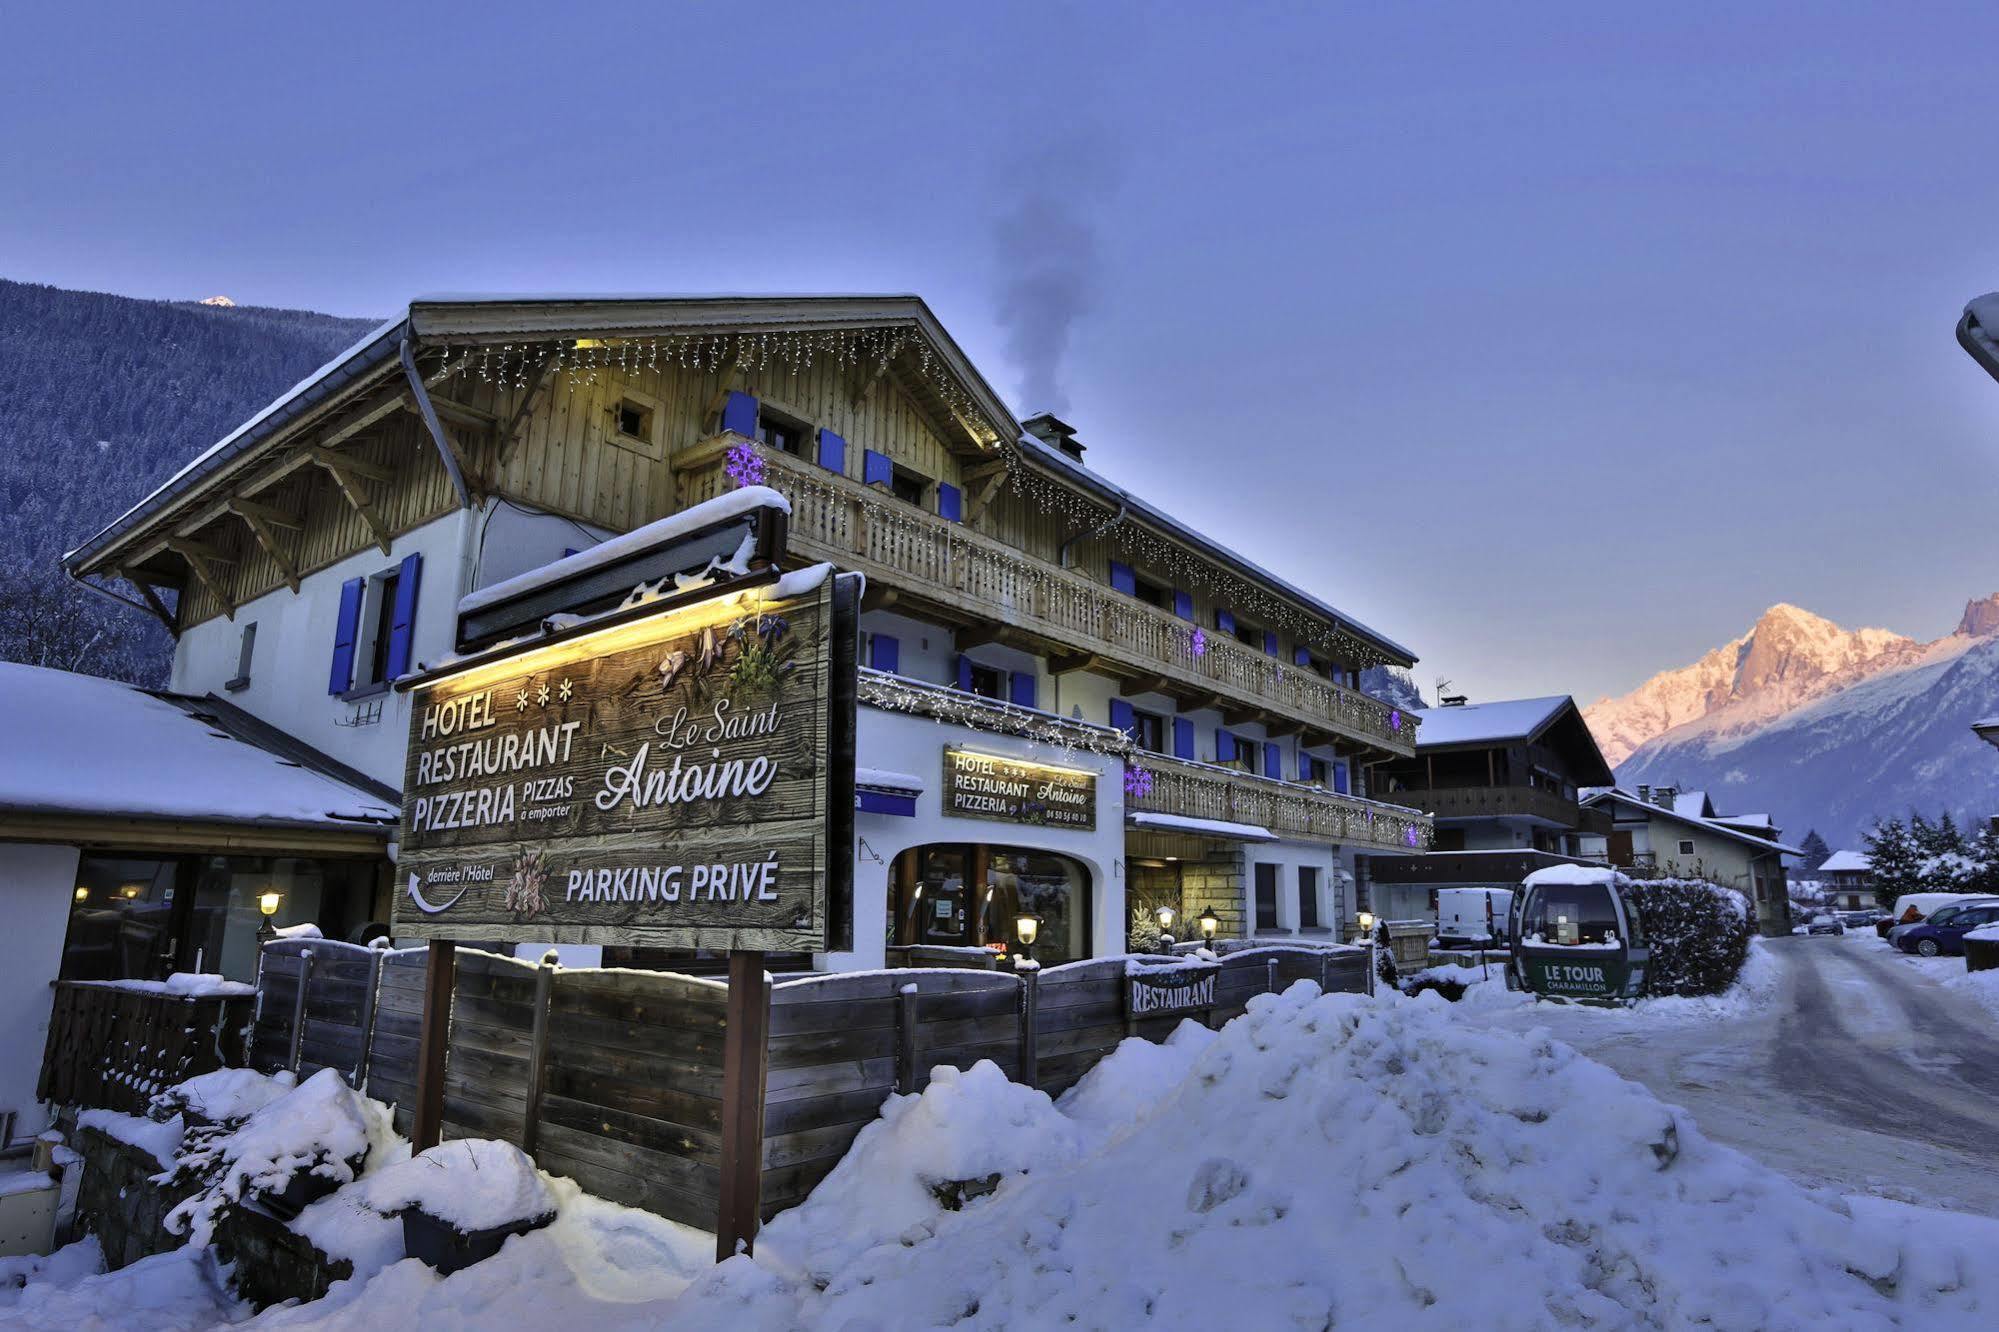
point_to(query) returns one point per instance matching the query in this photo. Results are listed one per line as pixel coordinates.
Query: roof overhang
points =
(1978, 332)
(125, 832)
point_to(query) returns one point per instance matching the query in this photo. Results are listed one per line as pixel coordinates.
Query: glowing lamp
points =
(1165, 914)
(1026, 928)
(267, 903)
(1367, 922)
(82, 893)
(1209, 923)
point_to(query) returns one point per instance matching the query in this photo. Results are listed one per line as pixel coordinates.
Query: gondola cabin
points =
(1577, 934)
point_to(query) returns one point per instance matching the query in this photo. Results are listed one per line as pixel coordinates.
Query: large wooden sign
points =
(987, 786)
(676, 780)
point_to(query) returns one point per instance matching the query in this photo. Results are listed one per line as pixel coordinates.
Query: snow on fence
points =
(112, 1044)
(614, 1077)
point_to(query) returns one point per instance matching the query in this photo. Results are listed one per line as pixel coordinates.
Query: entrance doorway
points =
(967, 895)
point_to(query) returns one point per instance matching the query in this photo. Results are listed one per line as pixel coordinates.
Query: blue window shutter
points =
(964, 672)
(1123, 579)
(739, 414)
(1022, 689)
(402, 627)
(1270, 641)
(832, 452)
(1301, 656)
(1183, 738)
(1224, 746)
(1225, 622)
(876, 469)
(950, 505)
(884, 653)
(1183, 604)
(1304, 766)
(345, 631)
(1273, 759)
(1340, 776)
(1122, 716)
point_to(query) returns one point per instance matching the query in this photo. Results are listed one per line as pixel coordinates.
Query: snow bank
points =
(1982, 986)
(224, 1095)
(172, 1292)
(471, 1183)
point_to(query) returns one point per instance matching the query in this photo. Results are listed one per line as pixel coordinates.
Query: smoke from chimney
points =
(1050, 269)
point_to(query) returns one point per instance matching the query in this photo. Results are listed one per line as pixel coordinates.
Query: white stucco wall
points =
(1335, 873)
(36, 883)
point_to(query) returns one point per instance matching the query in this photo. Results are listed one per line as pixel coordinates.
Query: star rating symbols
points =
(565, 691)
(541, 694)
(521, 701)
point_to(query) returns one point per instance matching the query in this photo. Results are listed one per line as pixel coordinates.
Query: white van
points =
(1472, 917)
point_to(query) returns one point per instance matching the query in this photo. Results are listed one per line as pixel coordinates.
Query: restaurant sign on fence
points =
(988, 786)
(677, 780)
(1168, 991)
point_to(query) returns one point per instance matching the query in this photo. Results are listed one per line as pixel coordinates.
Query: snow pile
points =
(320, 1127)
(189, 984)
(69, 1289)
(470, 1183)
(1337, 1160)
(226, 1095)
(1980, 986)
(159, 1139)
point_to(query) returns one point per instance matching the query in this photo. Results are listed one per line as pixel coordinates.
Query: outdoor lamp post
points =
(1366, 922)
(1209, 923)
(267, 903)
(82, 893)
(1027, 928)
(1165, 914)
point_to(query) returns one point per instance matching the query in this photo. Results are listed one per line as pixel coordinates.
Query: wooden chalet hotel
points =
(1022, 616)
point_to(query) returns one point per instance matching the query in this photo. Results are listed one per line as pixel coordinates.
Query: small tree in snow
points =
(1816, 852)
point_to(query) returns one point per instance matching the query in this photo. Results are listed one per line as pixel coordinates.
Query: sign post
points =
(672, 776)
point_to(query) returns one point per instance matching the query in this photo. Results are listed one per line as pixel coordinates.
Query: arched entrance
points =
(967, 894)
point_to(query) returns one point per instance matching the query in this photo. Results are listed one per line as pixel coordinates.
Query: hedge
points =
(1699, 934)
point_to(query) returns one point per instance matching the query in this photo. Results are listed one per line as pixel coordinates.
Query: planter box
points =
(303, 1189)
(446, 1248)
(1981, 954)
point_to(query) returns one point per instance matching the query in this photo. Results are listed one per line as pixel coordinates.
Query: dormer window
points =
(909, 487)
(634, 421)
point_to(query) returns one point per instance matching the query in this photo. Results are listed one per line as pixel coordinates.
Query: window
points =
(1570, 914)
(244, 650)
(967, 895)
(778, 433)
(1311, 769)
(1152, 594)
(1239, 753)
(1149, 729)
(1266, 897)
(988, 681)
(1249, 634)
(634, 420)
(380, 619)
(1308, 897)
(1686, 846)
(909, 487)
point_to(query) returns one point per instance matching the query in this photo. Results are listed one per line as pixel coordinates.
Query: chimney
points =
(1663, 796)
(1453, 700)
(1054, 432)
(1644, 793)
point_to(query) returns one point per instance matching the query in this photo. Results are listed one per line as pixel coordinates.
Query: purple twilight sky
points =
(1553, 340)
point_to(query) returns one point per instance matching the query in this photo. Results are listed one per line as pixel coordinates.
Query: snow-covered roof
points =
(1978, 331)
(1717, 826)
(1483, 723)
(1847, 862)
(1695, 803)
(78, 745)
(1746, 821)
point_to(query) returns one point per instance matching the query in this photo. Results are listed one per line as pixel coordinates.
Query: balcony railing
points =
(836, 518)
(1493, 802)
(1203, 791)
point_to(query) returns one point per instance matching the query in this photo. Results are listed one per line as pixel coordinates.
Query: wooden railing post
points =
(544, 980)
(905, 1039)
(1030, 998)
(745, 1063)
(298, 1011)
(427, 1117)
(368, 1018)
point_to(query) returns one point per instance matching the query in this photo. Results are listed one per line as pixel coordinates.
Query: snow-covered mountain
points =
(1818, 725)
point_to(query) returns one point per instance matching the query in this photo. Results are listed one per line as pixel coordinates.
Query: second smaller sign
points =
(988, 786)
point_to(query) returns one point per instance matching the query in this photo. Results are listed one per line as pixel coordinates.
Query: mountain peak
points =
(1980, 618)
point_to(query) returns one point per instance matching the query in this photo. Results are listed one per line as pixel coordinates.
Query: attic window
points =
(775, 432)
(908, 486)
(634, 420)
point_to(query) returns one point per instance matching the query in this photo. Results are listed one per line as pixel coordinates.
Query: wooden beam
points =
(433, 1039)
(260, 529)
(338, 467)
(152, 598)
(985, 495)
(879, 598)
(1149, 684)
(868, 385)
(181, 545)
(458, 411)
(196, 556)
(511, 435)
(1081, 661)
(268, 514)
(1237, 716)
(978, 635)
(360, 467)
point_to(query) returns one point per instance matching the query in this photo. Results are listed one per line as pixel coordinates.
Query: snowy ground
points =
(1324, 1161)
(1856, 1068)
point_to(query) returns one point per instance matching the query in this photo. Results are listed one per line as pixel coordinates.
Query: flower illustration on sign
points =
(1197, 642)
(1137, 783)
(745, 466)
(525, 882)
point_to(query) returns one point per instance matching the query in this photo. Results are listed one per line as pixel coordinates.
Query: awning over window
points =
(1241, 832)
(877, 791)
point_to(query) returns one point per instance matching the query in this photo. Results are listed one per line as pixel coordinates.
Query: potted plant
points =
(460, 1200)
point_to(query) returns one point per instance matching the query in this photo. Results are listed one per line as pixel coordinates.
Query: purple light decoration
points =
(1395, 719)
(1409, 835)
(745, 466)
(1197, 643)
(1137, 783)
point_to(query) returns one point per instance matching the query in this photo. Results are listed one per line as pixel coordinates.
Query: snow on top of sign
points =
(470, 1183)
(77, 744)
(670, 528)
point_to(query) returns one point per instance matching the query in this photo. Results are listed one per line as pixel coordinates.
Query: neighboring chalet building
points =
(1502, 781)
(1670, 833)
(1848, 880)
(1018, 604)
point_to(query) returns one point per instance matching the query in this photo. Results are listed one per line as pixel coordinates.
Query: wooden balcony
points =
(1074, 620)
(1204, 791)
(1515, 802)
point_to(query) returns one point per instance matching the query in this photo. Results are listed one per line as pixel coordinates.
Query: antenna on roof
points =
(1443, 687)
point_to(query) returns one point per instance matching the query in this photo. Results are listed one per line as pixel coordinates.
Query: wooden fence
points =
(114, 1045)
(614, 1078)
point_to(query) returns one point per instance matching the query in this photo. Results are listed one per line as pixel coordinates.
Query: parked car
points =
(1941, 914)
(1825, 925)
(1854, 920)
(1944, 932)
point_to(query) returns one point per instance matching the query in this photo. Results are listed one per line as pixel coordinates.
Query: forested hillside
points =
(102, 398)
